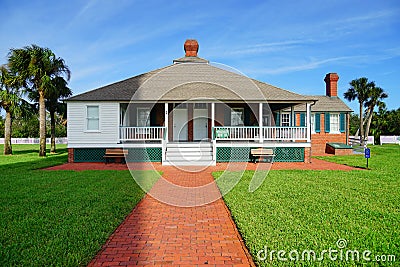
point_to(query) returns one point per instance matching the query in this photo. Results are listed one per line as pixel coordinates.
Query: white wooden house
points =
(191, 113)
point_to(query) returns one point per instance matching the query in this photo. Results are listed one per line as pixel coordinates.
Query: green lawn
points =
(299, 210)
(58, 217)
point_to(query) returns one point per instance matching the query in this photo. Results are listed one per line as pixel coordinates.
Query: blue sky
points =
(289, 44)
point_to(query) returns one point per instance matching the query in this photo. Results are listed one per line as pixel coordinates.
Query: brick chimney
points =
(331, 84)
(191, 47)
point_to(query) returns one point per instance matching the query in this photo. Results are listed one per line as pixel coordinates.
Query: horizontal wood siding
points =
(108, 123)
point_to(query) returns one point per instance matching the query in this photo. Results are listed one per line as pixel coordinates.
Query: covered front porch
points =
(229, 128)
(201, 121)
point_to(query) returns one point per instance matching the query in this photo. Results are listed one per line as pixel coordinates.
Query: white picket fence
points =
(393, 139)
(356, 140)
(59, 140)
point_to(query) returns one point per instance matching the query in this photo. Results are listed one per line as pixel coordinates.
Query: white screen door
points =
(180, 118)
(200, 124)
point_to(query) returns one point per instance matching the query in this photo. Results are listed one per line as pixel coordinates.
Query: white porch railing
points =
(236, 132)
(151, 133)
(270, 133)
(284, 133)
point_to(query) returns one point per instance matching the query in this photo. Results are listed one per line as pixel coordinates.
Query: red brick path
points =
(158, 234)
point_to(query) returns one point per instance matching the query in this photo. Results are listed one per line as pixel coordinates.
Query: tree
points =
(354, 124)
(385, 122)
(376, 95)
(1, 126)
(57, 91)
(26, 126)
(360, 89)
(37, 67)
(9, 101)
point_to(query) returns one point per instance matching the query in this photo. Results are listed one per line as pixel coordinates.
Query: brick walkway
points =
(158, 234)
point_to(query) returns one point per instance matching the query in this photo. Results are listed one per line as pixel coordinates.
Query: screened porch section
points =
(141, 122)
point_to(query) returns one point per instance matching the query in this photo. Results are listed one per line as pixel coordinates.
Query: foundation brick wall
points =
(307, 158)
(338, 152)
(70, 155)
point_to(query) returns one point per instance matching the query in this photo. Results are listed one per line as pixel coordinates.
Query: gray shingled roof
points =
(185, 81)
(190, 60)
(325, 104)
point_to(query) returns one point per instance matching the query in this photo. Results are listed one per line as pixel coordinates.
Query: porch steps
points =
(189, 154)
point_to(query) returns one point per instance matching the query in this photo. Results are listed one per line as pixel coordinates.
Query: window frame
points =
(312, 123)
(92, 118)
(334, 126)
(288, 122)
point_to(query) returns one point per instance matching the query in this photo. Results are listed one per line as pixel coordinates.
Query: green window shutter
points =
(278, 119)
(317, 122)
(342, 122)
(327, 116)
(302, 119)
(294, 119)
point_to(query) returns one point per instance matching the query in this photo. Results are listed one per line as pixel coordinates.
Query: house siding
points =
(108, 124)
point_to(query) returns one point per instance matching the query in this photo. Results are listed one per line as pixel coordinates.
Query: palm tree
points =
(53, 95)
(360, 89)
(9, 99)
(12, 102)
(376, 96)
(37, 67)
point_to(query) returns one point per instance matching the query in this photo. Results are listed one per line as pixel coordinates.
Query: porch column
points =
(308, 121)
(214, 149)
(212, 119)
(292, 118)
(260, 121)
(165, 141)
(166, 111)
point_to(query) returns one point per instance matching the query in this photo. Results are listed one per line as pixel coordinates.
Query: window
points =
(143, 117)
(334, 123)
(285, 119)
(92, 118)
(312, 125)
(237, 117)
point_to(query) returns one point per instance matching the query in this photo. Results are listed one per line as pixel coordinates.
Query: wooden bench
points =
(115, 153)
(258, 153)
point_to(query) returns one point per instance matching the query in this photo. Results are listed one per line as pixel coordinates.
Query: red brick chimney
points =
(331, 84)
(191, 47)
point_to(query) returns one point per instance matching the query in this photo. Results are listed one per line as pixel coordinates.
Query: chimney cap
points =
(191, 47)
(332, 76)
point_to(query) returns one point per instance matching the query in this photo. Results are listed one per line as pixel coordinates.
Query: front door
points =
(180, 119)
(200, 124)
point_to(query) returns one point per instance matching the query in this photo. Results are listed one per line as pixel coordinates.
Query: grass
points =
(298, 210)
(58, 218)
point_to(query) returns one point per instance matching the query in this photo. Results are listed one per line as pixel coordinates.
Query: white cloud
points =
(313, 64)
